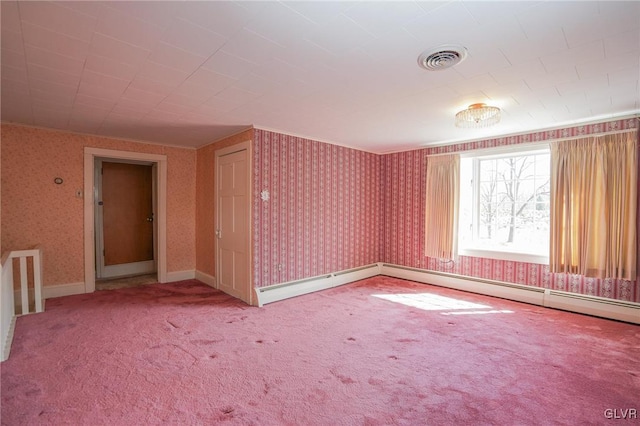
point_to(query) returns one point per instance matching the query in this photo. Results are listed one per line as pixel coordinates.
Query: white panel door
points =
(233, 223)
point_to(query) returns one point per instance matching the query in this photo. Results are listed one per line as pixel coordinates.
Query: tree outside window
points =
(506, 207)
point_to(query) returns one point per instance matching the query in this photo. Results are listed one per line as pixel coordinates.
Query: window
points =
(504, 205)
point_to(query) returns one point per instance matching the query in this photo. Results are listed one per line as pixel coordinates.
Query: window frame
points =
(488, 154)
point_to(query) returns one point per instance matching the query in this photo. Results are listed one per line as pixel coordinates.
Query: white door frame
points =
(249, 244)
(90, 154)
(143, 267)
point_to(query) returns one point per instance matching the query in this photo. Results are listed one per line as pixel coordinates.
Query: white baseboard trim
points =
(517, 292)
(8, 339)
(275, 293)
(180, 275)
(584, 304)
(60, 290)
(593, 305)
(209, 280)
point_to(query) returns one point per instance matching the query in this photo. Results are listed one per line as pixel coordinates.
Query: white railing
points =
(7, 309)
(7, 296)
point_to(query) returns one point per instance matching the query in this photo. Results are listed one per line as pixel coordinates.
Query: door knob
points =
(149, 219)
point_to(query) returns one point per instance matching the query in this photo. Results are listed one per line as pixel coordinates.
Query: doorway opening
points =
(124, 218)
(121, 253)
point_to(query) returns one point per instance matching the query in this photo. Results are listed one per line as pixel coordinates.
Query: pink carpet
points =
(184, 353)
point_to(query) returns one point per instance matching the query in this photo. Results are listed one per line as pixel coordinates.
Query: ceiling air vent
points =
(442, 57)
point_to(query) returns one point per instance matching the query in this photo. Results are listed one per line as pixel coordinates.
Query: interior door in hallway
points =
(126, 202)
(233, 222)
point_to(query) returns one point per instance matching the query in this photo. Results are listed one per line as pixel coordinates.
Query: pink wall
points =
(330, 208)
(37, 211)
(403, 203)
(323, 214)
(205, 200)
(403, 199)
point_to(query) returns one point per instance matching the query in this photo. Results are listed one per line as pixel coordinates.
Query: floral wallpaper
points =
(321, 213)
(37, 211)
(403, 203)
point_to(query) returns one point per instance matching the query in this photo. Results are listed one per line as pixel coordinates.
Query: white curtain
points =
(443, 188)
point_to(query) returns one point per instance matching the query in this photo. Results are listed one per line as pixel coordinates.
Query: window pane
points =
(511, 208)
(487, 170)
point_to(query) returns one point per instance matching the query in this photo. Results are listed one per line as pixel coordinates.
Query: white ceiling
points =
(190, 73)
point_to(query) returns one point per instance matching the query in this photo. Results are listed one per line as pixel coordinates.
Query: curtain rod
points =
(530, 143)
(615, 132)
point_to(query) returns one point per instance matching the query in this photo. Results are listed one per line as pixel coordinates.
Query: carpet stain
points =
(227, 410)
(351, 339)
(344, 379)
(407, 340)
(261, 341)
(204, 342)
(392, 357)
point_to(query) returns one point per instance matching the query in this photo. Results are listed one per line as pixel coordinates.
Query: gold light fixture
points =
(478, 116)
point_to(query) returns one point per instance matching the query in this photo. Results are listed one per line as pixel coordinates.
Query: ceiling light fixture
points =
(478, 116)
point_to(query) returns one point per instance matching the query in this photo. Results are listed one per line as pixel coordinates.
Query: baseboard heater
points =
(593, 305)
(295, 288)
(585, 304)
